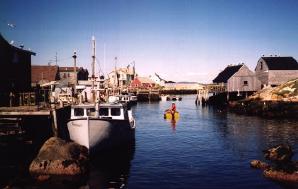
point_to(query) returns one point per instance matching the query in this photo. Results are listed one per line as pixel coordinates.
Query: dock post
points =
(54, 117)
(10, 99)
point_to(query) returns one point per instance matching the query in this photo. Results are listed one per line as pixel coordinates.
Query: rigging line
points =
(63, 59)
(59, 60)
(99, 67)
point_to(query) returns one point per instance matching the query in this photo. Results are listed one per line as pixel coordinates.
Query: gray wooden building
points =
(15, 73)
(238, 78)
(273, 71)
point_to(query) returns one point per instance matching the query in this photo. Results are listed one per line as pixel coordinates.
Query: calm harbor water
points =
(205, 148)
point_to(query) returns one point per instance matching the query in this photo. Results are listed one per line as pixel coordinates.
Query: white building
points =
(272, 71)
(157, 79)
(122, 77)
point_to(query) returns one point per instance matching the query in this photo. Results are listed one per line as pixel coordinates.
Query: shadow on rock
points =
(281, 167)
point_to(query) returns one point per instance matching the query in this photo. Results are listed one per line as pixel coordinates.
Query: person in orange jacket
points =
(172, 109)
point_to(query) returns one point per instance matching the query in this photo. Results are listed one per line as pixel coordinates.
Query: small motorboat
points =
(169, 115)
(173, 98)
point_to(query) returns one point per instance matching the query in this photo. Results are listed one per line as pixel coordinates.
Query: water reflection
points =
(173, 124)
(111, 169)
(15, 156)
(243, 133)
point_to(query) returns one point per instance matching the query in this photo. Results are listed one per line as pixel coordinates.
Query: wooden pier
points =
(204, 93)
(36, 124)
(24, 111)
(148, 95)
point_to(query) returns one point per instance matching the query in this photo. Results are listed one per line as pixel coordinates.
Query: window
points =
(103, 111)
(115, 111)
(91, 112)
(79, 112)
(261, 65)
(245, 83)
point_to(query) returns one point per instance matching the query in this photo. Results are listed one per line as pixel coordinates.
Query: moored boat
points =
(133, 99)
(173, 98)
(101, 126)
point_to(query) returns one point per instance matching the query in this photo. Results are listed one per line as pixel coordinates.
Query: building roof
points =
(223, 76)
(281, 63)
(127, 70)
(145, 80)
(43, 73)
(68, 69)
(16, 48)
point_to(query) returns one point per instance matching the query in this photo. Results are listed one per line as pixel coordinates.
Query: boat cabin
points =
(133, 98)
(124, 98)
(113, 111)
(79, 111)
(106, 111)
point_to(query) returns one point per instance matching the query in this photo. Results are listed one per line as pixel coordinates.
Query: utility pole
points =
(75, 70)
(56, 59)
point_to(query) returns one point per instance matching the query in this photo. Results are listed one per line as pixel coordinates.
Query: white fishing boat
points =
(101, 127)
(129, 99)
(97, 125)
(133, 99)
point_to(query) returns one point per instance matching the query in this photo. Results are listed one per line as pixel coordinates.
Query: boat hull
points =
(173, 98)
(100, 134)
(169, 115)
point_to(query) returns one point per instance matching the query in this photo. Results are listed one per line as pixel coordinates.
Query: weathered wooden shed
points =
(238, 78)
(15, 75)
(16, 63)
(274, 70)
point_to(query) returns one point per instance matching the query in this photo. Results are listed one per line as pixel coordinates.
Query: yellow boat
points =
(169, 115)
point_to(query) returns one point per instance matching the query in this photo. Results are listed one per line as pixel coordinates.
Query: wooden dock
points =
(35, 123)
(24, 111)
(148, 95)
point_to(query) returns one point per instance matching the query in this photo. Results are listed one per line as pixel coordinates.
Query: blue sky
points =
(189, 40)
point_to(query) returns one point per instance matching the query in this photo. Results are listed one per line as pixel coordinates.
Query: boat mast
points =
(93, 61)
(116, 74)
(93, 69)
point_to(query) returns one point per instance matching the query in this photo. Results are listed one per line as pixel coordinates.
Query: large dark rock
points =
(259, 164)
(282, 168)
(59, 158)
(281, 176)
(279, 153)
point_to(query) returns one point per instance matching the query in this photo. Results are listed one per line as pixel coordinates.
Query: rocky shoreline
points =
(276, 102)
(269, 109)
(281, 167)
